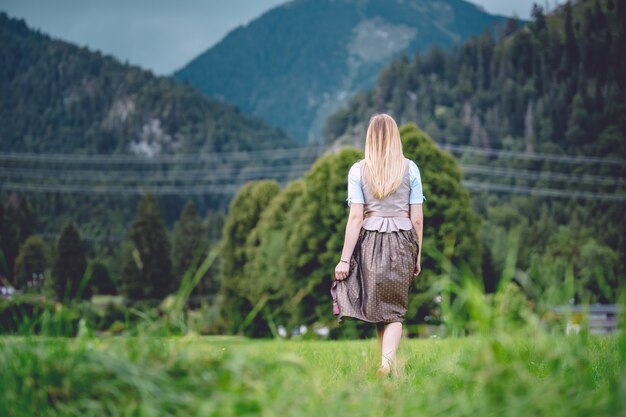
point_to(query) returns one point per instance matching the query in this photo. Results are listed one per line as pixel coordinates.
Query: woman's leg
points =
(390, 342)
(380, 331)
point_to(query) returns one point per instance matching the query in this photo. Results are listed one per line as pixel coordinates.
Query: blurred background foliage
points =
(273, 265)
(554, 86)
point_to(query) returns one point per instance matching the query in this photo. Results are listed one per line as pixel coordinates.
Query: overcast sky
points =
(164, 35)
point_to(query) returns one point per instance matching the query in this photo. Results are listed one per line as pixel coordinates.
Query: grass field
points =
(522, 375)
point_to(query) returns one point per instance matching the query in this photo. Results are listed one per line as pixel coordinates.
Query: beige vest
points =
(391, 213)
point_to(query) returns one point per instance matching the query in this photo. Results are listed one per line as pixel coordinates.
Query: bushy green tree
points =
(574, 266)
(495, 239)
(448, 209)
(265, 273)
(31, 263)
(316, 239)
(148, 268)
(289, 253)
(451, 227)
(244, 213)
(69, 266)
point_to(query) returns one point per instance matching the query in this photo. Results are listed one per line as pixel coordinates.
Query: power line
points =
(227, 189)
(281, 173)
(284, 153)
(231, 189)
(243, 156)
(260, 172)
(541, 175)
(548, 192)
(155, 175)
(534, 156)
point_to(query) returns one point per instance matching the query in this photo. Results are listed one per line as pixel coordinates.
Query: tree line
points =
(278, 248)
(147, 266)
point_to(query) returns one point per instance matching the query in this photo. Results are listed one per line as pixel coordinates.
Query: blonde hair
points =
(384, 161)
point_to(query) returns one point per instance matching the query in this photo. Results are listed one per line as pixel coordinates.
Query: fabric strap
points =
(387, 214)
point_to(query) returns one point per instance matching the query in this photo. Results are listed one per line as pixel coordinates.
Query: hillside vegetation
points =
(60, 98)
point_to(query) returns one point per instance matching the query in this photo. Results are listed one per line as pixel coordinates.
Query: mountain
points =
(60, 98)
(543, 111)
(557, 85)
(300, 62)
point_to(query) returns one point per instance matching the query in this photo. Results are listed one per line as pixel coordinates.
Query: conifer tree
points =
(572, 54)
(100, 279)
(31, 263)
(214, 225)
(4, 270)
(69, 266)
(148, 269)
(189, 241)
(16, 227)
(539, 17)
(133, 286)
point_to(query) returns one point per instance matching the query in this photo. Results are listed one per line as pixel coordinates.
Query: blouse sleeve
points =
(355, 193)
(417, 194)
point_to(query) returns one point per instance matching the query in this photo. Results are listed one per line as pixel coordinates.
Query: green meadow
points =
(524, 374)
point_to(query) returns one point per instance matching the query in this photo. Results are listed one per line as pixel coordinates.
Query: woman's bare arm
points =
(353, 227)
(417, 219)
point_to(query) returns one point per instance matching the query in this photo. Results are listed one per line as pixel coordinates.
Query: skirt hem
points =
(342, 318)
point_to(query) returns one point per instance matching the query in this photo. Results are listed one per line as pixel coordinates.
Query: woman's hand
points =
(418, 268)
(341, 271)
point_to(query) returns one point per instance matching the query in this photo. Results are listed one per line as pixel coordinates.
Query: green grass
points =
(499, 375)
(517, 363)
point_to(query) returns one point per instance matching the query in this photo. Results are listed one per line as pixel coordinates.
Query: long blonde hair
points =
(384, 161)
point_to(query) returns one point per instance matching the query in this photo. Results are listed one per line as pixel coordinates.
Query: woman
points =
(382, 246)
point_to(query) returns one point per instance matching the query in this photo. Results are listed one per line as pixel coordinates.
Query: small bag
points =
(333, 293)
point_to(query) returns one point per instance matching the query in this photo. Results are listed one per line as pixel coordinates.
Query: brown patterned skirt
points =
(381, 271)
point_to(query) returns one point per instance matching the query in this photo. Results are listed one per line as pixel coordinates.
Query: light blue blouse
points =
(355, 192)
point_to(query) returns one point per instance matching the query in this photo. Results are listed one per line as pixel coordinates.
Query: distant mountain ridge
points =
(57, 97)
(300, 62)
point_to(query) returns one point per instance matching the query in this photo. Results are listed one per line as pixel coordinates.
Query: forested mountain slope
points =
(299, 62)
(558, 85)
(58, 98)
